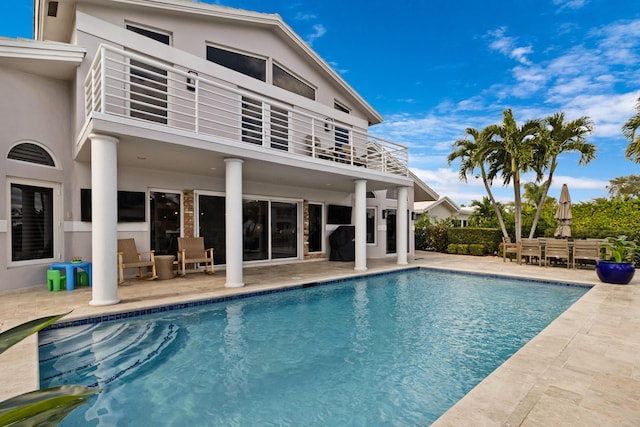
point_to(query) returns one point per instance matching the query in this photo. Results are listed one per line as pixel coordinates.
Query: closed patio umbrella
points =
(563, 214)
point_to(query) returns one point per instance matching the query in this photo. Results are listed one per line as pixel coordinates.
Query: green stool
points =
(56, 280)
(82, 278)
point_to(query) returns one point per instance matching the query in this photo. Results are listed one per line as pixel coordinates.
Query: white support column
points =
(233, 221)
(104, 219)
(402, 229)
(361, 225)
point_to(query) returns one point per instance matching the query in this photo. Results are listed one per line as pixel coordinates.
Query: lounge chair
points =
(191, 251)
(531, 248)
(129, 257)
(557, 249)
(585, 250)
(510, 248)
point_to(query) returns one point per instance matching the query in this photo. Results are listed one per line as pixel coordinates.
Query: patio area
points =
(581, 370)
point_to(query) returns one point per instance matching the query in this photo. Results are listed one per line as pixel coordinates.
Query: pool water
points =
(395, 349)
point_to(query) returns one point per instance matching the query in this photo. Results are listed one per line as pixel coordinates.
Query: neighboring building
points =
(441, 209)
(164, 118)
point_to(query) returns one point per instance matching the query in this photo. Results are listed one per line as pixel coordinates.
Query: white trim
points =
(32, 49)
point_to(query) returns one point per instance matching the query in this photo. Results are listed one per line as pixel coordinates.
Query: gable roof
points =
(58, 28)
(421, 191)
(445, 201)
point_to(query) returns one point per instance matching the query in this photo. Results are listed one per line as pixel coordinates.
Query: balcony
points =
(127, 85)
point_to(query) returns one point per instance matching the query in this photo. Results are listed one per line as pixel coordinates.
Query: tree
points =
(484, 214)
(473, 153)
(625, 186)
(557, 137)
(629, 131)
(533, 193)
(513, 148)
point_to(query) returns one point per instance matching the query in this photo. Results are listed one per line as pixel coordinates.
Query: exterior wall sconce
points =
(384, 214)
(328, 124)
(191, 83)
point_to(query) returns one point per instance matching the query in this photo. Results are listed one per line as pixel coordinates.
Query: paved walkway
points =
(582, 370)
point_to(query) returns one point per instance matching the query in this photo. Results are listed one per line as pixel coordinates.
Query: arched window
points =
(31, 153)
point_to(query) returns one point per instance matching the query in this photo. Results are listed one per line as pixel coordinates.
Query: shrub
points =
(463, 249)
(452, 248)
(476, 249)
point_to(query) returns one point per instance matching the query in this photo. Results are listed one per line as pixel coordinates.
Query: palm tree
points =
(556, 138)
(532, 193)
(472, 154)
(629, 131)
(484, 214)
(513, 153)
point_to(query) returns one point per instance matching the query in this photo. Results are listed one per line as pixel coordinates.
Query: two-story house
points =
(155, 119)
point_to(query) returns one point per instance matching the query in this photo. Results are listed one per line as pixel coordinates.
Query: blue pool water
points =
(397, 349)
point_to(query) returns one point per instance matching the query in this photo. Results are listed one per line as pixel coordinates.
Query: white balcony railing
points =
(129, 85)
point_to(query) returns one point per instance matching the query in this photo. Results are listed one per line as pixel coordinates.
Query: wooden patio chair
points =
(530, 249)
(557, 249)
(191, 251)
(510, 248)
(586, 250)
(129, 257)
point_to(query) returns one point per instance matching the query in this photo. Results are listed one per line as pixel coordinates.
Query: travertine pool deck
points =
(582, 370)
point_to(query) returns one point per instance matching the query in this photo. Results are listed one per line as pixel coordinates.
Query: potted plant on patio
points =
(618, 267)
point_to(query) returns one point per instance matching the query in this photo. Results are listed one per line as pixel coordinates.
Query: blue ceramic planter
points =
(619, 273)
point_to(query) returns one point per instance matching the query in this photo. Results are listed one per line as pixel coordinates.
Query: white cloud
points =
(300, 16)
(507, 46)
(318, 31)
(570, 4)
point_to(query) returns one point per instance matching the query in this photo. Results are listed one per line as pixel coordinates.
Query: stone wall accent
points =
(188, 219)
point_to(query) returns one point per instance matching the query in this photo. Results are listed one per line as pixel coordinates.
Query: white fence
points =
(129, 85)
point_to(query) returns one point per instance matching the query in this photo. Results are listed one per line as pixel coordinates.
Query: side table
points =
(164, 266)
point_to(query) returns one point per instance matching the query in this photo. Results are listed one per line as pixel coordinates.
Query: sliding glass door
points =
(269, 228)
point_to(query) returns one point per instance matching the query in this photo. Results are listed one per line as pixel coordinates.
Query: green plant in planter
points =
(40, 407)
(620, 249)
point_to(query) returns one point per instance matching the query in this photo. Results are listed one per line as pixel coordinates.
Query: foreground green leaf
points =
(44, 407)
(14, 335)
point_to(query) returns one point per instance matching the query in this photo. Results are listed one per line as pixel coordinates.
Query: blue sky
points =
(432, 68)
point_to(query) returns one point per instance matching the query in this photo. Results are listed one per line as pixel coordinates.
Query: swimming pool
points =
(393, 349)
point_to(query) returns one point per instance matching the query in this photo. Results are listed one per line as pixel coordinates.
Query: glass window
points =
(245, 64)
(315, 228)
(165, 222)
(251, 121)
(391, 231)
(371, 225)
(31, 153)
(148, 92)
(288, 81)
(148, 83)
(340, 107)
(255, 225)
(159, 37)
(211, 225)
(279, 128)
(31, 222)
(284, 230)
